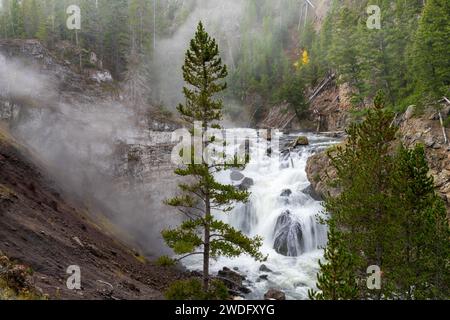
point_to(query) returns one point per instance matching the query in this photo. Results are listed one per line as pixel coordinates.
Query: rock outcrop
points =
(424, 129)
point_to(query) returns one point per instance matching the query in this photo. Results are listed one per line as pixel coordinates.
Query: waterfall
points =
(283, 211)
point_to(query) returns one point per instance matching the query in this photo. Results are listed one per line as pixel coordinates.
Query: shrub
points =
(165, 261)
(192, 289)
(15, 282)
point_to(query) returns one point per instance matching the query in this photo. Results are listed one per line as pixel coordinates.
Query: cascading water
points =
(284, 212)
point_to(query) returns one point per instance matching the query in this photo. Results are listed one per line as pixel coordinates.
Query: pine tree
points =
(388, 214)
(363, 208)
(422, 247)
(431, 49)
(17, 25)
(293, 92)
(337, 277)
(344, 51)
(201, 233)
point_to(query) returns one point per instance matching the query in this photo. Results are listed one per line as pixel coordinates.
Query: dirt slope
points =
(42, 230)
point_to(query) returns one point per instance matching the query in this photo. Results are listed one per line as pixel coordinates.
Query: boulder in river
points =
(300, 141)
(246, 184)
(288, 235)
(236, 176)
(312, 193)
(286, 193)
(274, 294)
(264, 268)
(263, 277)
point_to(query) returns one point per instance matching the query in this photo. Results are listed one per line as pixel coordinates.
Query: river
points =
(283, 211)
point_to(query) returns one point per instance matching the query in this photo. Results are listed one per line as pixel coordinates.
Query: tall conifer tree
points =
(201, 233)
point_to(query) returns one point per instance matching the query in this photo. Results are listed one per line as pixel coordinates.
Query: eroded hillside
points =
(44, 231)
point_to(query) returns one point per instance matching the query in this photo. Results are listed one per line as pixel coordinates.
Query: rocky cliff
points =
(45, 231)
(83, 176)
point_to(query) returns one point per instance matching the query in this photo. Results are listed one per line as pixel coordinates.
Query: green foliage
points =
(293, 92)
(117, 31)
(262, 64)
(370, 59)
(192, 290)
(165, 261)
(203, 71)
(423, 235)
(387, 214)
(336, 280)
(200, 233)
(431, 47)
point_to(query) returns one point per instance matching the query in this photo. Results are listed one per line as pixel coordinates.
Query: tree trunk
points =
(441, 120)
(207, 247)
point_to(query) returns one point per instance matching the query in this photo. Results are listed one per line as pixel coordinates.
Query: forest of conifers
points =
(406, 57)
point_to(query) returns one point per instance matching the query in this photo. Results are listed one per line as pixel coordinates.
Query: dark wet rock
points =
(286, 193)
(246, 184)
(233, 281)
(264, 277)
(264, 268)
(288, 235)
(274, 294)
(245, 290)
(236, 176)
(300, 285)
(232, 275)
(312, 193)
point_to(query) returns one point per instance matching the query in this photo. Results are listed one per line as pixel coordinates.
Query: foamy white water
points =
(279, 190)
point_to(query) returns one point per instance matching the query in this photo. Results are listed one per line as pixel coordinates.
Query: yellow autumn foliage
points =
(305, 57)
(303, 61)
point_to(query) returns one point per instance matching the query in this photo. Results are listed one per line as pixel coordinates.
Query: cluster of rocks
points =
(244, 183)
(234, 281)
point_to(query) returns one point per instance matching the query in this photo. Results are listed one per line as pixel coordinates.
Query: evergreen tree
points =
(17, 19)
(388, 214)
(293, 92)
(344, 51)
(431, 49)
(337, 277)
(364, 166)
(420, 266)
(201, 233)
